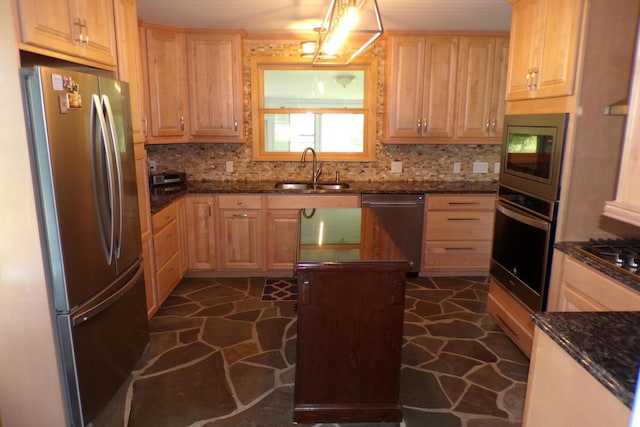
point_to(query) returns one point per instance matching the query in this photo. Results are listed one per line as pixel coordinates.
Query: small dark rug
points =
(280, 289)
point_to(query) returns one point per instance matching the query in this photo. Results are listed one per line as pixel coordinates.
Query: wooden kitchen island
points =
(351, 282)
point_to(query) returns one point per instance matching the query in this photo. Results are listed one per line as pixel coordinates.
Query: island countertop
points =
(606, 344)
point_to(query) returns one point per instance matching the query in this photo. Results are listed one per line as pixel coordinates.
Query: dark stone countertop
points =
(606, 344)
(159, 199)
(617, 274)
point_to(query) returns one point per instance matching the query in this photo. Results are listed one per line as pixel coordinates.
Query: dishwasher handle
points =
(391, 204)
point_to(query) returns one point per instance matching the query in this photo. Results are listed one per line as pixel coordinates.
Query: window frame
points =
(369, 65)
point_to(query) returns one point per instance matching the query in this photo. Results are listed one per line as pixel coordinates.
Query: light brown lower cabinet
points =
(201, 231)
(512, 317)
(282, 237)
(240, 232)
(166, 239)
(560, 392)
(576, 287)
(149, 263)
(458, 232)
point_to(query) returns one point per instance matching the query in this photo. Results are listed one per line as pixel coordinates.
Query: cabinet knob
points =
(239, 202)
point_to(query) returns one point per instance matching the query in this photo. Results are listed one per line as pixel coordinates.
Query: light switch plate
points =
(456, 167)
(228, 166)
(396, 167)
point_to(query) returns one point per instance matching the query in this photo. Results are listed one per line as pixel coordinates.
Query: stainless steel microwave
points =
(531, 160)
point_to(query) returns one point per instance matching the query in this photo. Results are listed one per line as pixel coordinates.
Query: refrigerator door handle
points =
(96, 105)
(118, 169)
(94, 310)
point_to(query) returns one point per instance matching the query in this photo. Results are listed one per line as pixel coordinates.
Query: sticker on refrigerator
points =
(57, 81)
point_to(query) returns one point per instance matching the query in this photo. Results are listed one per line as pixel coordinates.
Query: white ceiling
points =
(285, 16)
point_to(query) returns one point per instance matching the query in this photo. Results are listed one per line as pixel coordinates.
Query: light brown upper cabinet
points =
(215, 84)
(167, 84)
(482, 65)
(421, 78)
(79, 28)
(544, 43)
(194, 80)
(129, 66)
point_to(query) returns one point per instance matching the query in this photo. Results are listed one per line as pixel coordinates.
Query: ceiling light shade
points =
(358, 21)
(345, 80)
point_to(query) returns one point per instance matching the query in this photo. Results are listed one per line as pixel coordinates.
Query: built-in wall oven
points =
(526, 211)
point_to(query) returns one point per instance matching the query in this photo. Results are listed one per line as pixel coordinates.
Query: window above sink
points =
(331, 108)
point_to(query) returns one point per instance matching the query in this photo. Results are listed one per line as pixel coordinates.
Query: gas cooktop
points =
(621, 253)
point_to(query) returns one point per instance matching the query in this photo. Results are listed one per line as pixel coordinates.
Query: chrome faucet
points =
(317, 169)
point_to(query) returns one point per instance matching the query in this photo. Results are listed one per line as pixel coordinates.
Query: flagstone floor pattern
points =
(221, 357)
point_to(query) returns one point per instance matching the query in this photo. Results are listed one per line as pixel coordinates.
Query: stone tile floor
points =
(221, 357)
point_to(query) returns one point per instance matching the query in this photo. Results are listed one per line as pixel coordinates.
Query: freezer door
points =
(71, 162)
(115, 100)
(101, 344)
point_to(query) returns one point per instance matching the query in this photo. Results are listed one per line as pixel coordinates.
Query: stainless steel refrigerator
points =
(84, 174)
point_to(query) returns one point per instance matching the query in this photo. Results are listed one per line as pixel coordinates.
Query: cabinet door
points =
(499, 87)
(477, 59)
(150, 286)
(99, 44)
(556, 65)
(129, 61)
(201, 231)
(142, 185)
(439, 86)
(49, 24)
(167, 82)
(183, 246)
(214, 63)
(525, 30)
(405, 74)
(241, 239)
(282, 237)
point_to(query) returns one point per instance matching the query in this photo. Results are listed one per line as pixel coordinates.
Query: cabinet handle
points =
(487, 123)
(305, 293)
(535, 79)
(209, 206)
(419, 126)
(463, 219)
(464, 203)
(145, 126)
(82, 26)
(494, 124)
(240, 215)
(425, 124)
(235, 124)
(239, 202)
(460, 249)
(182, 123)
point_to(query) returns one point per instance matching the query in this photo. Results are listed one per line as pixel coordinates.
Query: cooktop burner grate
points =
(623, 253)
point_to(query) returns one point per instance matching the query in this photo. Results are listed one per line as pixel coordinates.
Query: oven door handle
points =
(526, 219)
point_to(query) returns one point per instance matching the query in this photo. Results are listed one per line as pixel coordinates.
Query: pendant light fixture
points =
(356, 21)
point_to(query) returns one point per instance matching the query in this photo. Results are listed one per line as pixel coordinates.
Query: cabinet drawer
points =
(459, 225)
(461, 202)
(599, 288)
(164, 217)
(166, 244)
(512, 317)
(240, 201)
(456, 255)
(314, 201)
(168, 277)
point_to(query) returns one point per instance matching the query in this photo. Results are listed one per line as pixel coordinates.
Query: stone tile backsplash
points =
(419, 162)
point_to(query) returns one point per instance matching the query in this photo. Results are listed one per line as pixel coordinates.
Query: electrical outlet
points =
(228, 166)
(152, 165)
(496, 167)
(480, 167)
(396, 167)
(456, 167)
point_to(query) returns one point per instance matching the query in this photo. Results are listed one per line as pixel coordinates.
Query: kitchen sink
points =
(310, 186)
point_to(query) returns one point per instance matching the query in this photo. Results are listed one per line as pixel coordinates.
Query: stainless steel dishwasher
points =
(402, 216)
